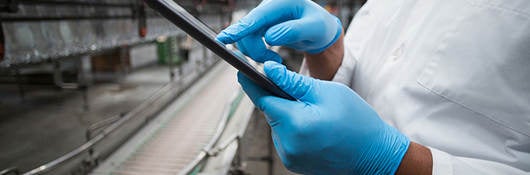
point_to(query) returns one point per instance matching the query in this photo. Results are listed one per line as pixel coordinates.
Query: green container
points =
(167, 48)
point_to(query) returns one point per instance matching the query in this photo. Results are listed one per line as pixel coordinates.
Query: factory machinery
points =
(146, 98)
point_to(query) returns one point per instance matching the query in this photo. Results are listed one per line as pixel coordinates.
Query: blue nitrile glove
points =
(329, 130)
(299, 24)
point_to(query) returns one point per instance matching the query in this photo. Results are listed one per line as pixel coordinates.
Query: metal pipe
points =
(2, 42)
(58, 78)
(83, 71)
(76, 3)
(21, 91)
(56, 18)
(10, 171)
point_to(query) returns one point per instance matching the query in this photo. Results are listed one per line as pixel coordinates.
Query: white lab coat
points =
(453, 75)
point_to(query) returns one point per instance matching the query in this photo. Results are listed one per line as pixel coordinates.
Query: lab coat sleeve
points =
(447, 164)
(346, 70)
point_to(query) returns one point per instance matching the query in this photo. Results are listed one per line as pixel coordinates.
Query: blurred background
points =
(111, 87)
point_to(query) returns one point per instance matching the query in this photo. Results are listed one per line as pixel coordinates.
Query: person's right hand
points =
(329, 129)
(299, 24)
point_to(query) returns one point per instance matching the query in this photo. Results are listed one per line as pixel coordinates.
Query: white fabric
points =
(453, 75)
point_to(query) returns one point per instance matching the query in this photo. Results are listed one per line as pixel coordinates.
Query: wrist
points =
(324, 65)
(417, 160)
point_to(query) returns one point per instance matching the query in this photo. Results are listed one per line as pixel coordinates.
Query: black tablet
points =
(206, 36)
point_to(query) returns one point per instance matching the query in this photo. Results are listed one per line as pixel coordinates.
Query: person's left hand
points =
(299, 24)
(329, 130)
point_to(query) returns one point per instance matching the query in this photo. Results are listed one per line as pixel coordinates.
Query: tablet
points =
(206, 36)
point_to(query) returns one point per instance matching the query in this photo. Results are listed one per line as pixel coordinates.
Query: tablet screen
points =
(206, 36)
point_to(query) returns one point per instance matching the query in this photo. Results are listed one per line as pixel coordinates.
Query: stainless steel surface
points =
(43, 30)
(72, 32)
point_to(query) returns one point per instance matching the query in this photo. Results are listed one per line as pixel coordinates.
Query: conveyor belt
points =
(174, 138)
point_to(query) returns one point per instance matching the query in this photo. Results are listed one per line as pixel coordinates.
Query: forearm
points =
(324, 65)
(417, 161)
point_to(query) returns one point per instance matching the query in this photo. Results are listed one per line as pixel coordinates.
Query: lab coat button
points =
(398, 52)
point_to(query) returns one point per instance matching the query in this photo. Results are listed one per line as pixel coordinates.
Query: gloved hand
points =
(299, 24)
(330, 130)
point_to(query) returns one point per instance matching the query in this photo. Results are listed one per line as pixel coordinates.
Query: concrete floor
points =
(258, 155)
(51, 122)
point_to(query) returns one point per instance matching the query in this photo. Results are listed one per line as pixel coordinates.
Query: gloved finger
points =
(264, 15)
(301, 34)
(254, 47)
(288, 32)
(273, 107)
(296, 85)
(253, 91)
